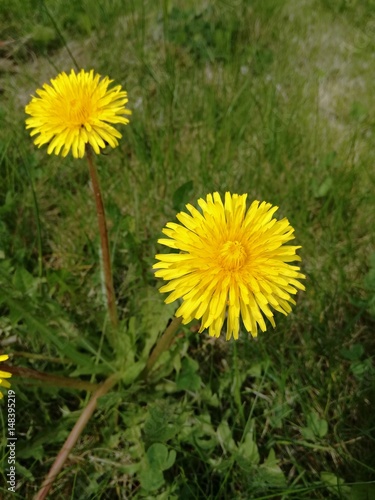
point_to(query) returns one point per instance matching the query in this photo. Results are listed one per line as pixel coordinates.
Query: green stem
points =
(74, 435)
(162, 345)
(106, 258)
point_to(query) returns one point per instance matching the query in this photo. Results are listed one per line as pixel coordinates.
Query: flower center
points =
(79, 111)
(232, 255)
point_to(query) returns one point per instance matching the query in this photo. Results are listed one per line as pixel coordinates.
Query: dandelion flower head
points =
(230, 263)
(77, 109)
(4, 375)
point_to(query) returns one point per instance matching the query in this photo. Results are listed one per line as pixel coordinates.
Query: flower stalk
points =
(74, 435)
(49, 379)
(102, 224)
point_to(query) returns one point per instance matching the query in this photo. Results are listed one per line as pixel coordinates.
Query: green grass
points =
(272, 98)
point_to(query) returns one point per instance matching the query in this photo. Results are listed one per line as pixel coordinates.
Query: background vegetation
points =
(272, 98)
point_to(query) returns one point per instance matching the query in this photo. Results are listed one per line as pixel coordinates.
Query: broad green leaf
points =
(157, 455)
(354, 353)
(159, 458)
(187, 379)
(151, 479)
(308, 434)
(319, 426)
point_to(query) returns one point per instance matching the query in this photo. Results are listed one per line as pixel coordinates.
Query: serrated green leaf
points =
(131, 373)
(155, 316)
(161, 424)
(126, 341)
(248, 450)
(25, 282)
(271, 472)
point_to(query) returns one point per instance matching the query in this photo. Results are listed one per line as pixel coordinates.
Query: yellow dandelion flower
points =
(77, 109)
(231, 263)
(4, 375)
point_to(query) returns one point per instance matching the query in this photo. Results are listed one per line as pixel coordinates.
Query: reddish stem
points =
(110, 292)
(74, 435)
